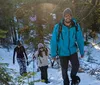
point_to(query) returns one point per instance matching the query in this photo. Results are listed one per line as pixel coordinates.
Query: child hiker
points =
(42, 58)
(20, 51)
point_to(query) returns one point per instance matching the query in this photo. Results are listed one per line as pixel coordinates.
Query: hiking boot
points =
(75, 80)
(47, 82)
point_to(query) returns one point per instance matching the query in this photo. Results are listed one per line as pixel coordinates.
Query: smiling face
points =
(41, 49)
(67, 18)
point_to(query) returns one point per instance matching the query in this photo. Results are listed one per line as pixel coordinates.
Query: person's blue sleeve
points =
(53, 42)
(80, 40)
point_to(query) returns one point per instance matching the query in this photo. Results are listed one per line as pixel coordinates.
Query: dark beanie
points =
(18, 42)
(67, 11)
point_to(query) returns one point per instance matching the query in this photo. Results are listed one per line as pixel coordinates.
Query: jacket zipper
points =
(69, 40)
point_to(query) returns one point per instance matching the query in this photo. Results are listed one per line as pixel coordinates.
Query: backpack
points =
(60, 30)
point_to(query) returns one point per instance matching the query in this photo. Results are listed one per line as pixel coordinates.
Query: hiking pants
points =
(44, 74)
(64, 60)
(22, 65)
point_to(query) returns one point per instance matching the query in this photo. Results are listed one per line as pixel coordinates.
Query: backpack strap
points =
(60, 31)
(76, 26)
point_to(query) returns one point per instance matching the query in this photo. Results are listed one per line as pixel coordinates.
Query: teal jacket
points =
(72, 40)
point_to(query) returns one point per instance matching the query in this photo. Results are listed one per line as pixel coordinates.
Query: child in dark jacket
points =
(20, 51)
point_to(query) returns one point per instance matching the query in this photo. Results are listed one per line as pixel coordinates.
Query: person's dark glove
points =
(54, 58)
(82, 56)
(34, 57)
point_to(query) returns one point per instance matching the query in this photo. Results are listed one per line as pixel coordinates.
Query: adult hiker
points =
(20, 51)
(66, 38)
(42, 59)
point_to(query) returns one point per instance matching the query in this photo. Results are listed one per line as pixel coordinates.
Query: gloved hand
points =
(82, 56)
(34, 57)
(54, 58)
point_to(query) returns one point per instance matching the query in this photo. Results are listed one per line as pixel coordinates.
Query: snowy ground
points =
(54, 75)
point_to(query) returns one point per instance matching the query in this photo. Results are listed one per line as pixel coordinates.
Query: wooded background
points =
(32, 21)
